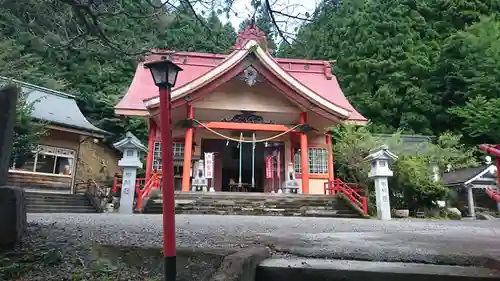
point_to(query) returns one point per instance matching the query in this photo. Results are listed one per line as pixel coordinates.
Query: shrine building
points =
(257, 115)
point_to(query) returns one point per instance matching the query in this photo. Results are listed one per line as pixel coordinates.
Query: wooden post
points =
(151, 144)
(304, 156)
(188, 151)
(329, 146)
(8, 100)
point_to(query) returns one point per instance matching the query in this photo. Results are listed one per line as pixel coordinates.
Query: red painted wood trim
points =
(151, 140)
(173, 140)
(246, 126)
(313, 176)
(188, 150)
(328, 140)
(304, 156)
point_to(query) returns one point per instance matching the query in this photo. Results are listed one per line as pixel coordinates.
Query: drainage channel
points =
(306, 269)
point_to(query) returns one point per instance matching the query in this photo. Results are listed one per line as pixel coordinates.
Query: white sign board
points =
(209, 165)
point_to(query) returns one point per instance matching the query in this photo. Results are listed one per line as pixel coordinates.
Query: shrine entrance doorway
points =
(233, 165)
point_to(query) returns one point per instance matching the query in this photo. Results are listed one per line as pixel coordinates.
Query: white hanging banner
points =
(278, 165)
(209, 165)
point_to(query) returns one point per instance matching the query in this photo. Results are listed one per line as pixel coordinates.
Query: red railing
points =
(351, 190)
(153, 182)
(493, 193)
(117, 183)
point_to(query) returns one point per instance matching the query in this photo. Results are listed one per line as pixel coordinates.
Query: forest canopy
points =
(421, 66)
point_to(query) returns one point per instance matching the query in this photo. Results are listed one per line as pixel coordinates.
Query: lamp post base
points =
(170, 269)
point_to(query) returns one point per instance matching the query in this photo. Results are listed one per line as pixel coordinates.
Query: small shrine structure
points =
(254, 112)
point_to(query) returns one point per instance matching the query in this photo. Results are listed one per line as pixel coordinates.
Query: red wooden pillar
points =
(151, 143)
(329, 146)
(188, 151)
(304, 156)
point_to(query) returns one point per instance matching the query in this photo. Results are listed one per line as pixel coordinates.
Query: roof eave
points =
(86, 131)
(236, 57)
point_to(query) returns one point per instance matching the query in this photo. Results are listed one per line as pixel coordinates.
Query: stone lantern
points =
(380, 158)
(131, 148)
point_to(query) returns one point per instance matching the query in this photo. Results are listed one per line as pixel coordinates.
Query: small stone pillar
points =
(379, 159)
(470, 199)
(131, 147)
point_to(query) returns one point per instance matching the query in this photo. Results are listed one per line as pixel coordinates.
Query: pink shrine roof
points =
(315, 75)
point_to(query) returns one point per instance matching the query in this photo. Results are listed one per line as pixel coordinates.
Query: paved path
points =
(449, 242)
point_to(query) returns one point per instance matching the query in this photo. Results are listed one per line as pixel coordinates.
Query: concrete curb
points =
(337, 270)
(242, 265)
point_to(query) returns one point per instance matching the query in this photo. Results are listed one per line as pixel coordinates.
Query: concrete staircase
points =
(232, 203)
(39, 202)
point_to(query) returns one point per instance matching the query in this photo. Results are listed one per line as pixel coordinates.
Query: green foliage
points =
(98, 74)
(27, 132)
(413, 183)
(403, 64)
(473, 80)
(481, 118)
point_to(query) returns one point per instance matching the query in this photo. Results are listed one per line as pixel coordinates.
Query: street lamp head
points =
(164, 72)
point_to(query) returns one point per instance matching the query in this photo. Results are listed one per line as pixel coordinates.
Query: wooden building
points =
(52, 164)
(222, 103)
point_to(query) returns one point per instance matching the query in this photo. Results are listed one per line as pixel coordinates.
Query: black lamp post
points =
(164, 74)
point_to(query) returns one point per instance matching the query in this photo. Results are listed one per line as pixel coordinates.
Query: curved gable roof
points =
(312, 78)
(55, 107)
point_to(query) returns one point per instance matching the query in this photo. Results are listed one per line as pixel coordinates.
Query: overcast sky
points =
(243, 10)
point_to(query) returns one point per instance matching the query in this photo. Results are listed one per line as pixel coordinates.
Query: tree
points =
(97, 74)
(80, 22)
(480, 118)
(384, 52)
(469, 68)
(27, 132)
(264, 21)
(395, 61)
(413, 184)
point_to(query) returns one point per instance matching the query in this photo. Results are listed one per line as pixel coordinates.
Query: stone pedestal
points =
(130, 162)
(128, 189)
(380, 172)
(382, 197)
(12, 215)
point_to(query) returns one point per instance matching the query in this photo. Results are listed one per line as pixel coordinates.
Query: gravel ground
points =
(445, 242)
(58, 246)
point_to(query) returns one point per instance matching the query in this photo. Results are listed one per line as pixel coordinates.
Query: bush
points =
(413, 185)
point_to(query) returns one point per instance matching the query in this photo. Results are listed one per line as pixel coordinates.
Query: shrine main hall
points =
(258, 117)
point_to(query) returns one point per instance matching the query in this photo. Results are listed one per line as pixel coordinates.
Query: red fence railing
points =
(154, 182)
(117, 183)
(493, 193)
(351, 190)
(142, 186)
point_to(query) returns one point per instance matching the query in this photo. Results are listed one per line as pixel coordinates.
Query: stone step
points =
(57, 203)
(253, 196)
(237, 210)
(45, 209)
(56, 198)
(298, 208)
